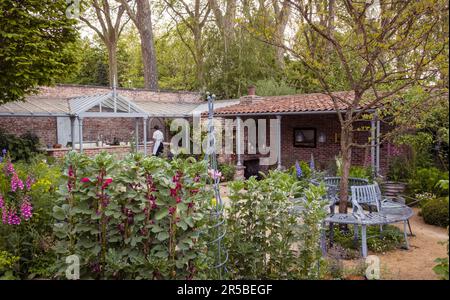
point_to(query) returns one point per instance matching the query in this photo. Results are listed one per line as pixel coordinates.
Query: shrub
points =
(361, 172)
(139, 218)
(20, 148)
(227, 171)
(264, 237)
(8, 263)
(426, 180)
(399, 169)
(272, 87)
(435, 212)
(31, 240)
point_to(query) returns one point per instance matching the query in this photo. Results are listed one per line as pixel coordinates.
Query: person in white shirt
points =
(158, 137)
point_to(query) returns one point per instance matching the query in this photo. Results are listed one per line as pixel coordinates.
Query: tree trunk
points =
(346, 139)
(112, 62)
(144, 24)
(199, 58)
(282, 18)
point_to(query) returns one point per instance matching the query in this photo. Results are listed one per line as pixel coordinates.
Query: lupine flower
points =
(85, 180)
(16, 183)
(298, 169)
(26, 209)
(4, 151)
(106, 183)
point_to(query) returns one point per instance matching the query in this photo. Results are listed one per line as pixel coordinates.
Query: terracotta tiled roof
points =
(286, 104)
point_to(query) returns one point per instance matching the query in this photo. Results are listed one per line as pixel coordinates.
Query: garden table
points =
(381, 212)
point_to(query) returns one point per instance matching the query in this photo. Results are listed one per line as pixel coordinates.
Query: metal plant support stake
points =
(219, 227)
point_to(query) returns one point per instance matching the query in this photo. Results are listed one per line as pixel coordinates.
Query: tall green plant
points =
(139, 218)
(263, 237)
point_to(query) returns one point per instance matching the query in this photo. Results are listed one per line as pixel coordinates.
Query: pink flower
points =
(214, 174)
(9, 168)
(106, 183)
(173, 192)
(16, 183)
(2, 202)
(26, 209)
(4, 216)
(29, 182)
(178, 199)
(13, 218)
(85, 180)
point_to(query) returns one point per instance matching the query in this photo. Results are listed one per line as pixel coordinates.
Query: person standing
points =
(158, 138)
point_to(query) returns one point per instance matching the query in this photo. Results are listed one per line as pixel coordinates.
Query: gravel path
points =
(418, 261)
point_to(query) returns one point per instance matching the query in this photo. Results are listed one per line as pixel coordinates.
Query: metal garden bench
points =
(381, 212)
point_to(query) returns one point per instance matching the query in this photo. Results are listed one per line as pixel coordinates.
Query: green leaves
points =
(262, 229)
(133, 230)
(161, 214)
(35, 47)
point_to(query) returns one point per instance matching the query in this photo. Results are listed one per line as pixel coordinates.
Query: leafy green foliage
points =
(441, 269)
(31, 241)
(227, 171)
(389, 239)
(7, 264)
(399, 169)
(272, 87)
(264, 238)
(426, 180)
(35, 37)
(139, 218)
(20, 148)
(435, 212)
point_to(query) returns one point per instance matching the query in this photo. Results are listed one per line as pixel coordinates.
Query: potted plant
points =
(397, 175)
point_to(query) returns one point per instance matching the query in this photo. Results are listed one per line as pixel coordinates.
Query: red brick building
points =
(304, 125)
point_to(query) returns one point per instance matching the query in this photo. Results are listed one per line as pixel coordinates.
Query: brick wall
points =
(67, 91)
(43, 127)
(324, 153)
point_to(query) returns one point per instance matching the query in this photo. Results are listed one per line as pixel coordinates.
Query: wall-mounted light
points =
(322, 137)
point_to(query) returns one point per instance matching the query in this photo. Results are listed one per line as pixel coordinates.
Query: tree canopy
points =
(36, 46)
